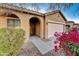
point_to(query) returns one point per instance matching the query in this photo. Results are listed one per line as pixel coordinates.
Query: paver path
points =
(42, 46)
(37, 47)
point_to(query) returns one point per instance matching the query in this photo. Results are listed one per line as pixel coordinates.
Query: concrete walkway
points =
(42, 46)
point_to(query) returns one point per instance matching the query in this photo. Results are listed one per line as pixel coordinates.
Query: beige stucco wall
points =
(53, 18)
(56, 18)
(3, 22)
(70, 23)
(25, 24)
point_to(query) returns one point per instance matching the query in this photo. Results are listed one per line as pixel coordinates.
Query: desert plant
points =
(11, 40)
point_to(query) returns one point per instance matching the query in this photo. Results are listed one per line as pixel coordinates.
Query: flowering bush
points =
(68, 41)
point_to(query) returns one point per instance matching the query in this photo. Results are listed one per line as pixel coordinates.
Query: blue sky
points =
(70, 13)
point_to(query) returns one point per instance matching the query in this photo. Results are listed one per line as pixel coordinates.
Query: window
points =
(13, 23)
(67, 28)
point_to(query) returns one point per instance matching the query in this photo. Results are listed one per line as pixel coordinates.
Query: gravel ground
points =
(33, 52)
(30, 50)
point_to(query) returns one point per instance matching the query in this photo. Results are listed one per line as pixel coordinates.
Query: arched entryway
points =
(34, 27)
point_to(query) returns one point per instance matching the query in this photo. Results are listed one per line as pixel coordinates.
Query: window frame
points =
(13, 20)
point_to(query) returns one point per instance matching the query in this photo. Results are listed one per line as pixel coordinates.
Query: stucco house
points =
(34, 23)
(77, 24)
(70, 24)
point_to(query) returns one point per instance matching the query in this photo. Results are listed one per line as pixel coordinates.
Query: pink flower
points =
(56, 49)
(61, 38)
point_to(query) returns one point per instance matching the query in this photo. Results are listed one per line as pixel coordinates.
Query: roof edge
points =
(20, 9)
(56, 11)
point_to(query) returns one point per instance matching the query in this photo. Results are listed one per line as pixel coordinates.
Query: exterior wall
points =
(3, 22)
(55, 19)
(70, 23)
(68, 26)
(25, 24)
(77, 26)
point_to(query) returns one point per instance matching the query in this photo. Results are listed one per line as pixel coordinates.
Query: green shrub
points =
(11, 41)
